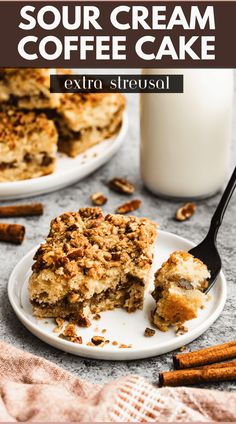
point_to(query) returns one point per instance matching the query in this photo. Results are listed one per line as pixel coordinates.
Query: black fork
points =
(207, 251)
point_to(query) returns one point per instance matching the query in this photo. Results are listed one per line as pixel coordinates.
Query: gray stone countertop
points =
(125, 163)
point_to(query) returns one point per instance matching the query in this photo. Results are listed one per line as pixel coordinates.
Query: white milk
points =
(185, 138)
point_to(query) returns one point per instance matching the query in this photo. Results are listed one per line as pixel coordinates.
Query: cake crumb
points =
(70, 334)
(125, 346)
(97, 317)
(149, 332)
(181, 330)
(97, 340)
(104, 330)
(90, 344)
(59, 322)
(70, 330)
(83, 321)
(115, 343)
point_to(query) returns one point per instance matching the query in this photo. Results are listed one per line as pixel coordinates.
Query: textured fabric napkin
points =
(33, 389)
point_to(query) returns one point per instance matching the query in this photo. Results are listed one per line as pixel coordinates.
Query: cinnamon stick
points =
(218, 365)
(21, 210)
(205, 356)
(207, 374)
(12, 233)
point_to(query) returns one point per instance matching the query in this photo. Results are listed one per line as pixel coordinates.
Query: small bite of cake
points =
(91, 263)
(28, 144)
(85, 120)
(179, 290)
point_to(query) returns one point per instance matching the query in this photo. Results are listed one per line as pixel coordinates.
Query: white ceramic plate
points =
(121, 327)
(68, 170)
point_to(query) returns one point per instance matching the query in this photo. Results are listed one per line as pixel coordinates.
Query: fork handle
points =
(223, 203)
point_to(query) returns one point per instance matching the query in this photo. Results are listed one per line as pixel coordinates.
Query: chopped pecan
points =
(97, 340)
(91, 213)
(185, 212)
(76, 339)
(122, 185)
(39, 265)
(61, 261)
(98, 199)
(149, 332)
(70, 334)
(115, 256)
(78, 253)
(62, 336)
(129, 206)
(59, 322)
(83, 321)
(70, 330)
(72, 227)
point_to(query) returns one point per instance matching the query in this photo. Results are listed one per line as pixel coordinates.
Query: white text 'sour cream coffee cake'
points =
(91, 263)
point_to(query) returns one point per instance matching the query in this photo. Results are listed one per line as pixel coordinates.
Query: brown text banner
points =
(127, 34)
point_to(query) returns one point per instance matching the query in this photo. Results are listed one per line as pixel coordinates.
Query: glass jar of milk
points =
(185, 138)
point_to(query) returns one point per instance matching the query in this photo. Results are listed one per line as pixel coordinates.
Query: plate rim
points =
(114, 353)
(12, 186)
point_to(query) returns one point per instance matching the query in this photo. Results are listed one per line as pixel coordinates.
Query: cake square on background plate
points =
(28, 144)
(84, 120)
(29, 88)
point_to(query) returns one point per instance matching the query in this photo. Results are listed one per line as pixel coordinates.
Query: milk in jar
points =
(185, 137)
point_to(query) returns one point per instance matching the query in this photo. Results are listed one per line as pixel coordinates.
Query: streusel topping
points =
(90, 242)
(16, 124)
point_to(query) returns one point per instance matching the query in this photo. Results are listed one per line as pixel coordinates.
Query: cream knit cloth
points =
(33, 389)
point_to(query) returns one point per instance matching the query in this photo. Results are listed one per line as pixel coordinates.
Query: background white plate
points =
(121, 327)
(68, 170)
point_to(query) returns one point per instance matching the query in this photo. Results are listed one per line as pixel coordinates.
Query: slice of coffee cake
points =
(91, 263)
(28, 144)
(179, 285)
(87, 119)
